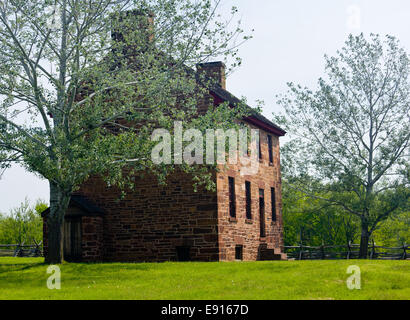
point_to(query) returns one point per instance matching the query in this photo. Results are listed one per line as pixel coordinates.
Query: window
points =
(239, 252)
(273, 201)
(232, 206)
(260, 145)
(270, 149)
(262, 212)
(183, 253)
(248, 200)
(246, 140)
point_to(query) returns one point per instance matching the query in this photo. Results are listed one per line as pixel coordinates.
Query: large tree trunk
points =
(59, 201)
(364, 242)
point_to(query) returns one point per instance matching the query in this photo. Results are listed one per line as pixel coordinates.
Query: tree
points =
(395, 231)
(23, 225)
(352, 133)
(314, 221)
(83, 83)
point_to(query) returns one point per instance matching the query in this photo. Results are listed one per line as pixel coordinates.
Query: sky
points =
(290, 40)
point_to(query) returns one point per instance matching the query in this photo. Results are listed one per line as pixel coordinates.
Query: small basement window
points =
(183, 253)
(239, 252)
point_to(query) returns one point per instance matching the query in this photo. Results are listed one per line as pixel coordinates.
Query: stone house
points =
(240, 220)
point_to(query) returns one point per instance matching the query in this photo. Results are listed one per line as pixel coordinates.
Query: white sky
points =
(290, 39)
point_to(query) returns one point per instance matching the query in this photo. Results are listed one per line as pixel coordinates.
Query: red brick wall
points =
(45, 237)
(240, 231)
(150, 222)
(92, 239)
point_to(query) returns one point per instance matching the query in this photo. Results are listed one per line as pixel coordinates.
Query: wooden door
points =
(72, 239)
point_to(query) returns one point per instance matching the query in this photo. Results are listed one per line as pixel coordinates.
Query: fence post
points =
(322, 250)
(39, 253)
(15, 254)
(348, 250)
(300, 251)
(372, 254)
(404, 251)
(18, 251)
(36, 251)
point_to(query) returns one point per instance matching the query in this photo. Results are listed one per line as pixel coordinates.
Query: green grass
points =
(25, 278)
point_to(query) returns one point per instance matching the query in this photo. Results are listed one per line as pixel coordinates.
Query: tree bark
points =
(59, 201)
(364, 242)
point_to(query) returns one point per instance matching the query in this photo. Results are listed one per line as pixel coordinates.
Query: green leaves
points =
(85, 82)
(353, 132)
(23, 224)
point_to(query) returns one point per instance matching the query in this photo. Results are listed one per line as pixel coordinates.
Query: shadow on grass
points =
(15, 264)
(3, 267)
(106, 267)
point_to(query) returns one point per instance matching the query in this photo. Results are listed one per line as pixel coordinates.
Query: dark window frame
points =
(248, 139)
(273, 203)
(239, 252)
(262, 212)
(248, 196)
(260, 146)
(270, 147)
(232, 197)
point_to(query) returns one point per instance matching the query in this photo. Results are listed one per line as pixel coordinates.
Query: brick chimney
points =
(214, 71)
(138, 24)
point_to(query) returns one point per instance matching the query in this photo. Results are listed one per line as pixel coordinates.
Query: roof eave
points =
(256, 118)
(271, 129)
(84, 204)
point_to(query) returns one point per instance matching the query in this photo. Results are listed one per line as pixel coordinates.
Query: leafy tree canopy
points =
(83, 83)
(352, 133)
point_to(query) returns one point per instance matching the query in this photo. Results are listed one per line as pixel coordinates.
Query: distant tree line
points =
(312, 221)
(307, 220)
(22, 224)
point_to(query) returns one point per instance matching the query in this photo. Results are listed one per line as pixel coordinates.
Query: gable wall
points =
(240, 231)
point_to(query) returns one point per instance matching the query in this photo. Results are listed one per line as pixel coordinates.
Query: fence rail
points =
(349, 251)
(21, 250)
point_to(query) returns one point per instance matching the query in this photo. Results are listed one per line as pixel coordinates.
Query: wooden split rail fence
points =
(349, 251)
(300, 252)
(20, 250)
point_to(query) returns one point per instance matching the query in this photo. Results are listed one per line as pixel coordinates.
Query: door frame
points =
(75, 254)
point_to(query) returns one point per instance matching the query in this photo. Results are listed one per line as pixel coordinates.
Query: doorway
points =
(72, 239)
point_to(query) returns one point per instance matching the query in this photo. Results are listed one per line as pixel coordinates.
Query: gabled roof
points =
(254, 118)
(223, 95)
(83, 203)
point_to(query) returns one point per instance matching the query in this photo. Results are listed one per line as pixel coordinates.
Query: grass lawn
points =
(25, 278)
